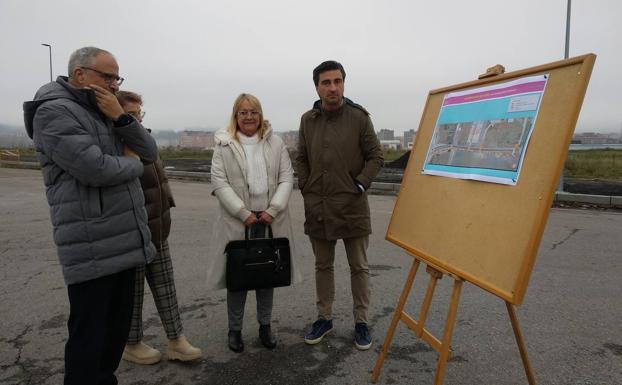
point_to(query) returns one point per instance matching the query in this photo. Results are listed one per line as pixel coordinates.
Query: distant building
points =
(595, 138)
(386, 134)
(409, 138)
(196, 139)
(166, 138)
(290, 138)
(14, 137)
(394, 144)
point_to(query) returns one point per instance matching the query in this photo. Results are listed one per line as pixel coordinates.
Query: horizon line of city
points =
(198, 138)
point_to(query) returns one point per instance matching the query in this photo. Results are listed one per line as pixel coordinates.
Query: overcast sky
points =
(190, 59)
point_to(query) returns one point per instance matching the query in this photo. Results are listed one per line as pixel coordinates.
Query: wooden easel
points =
(442, 347)
(431, 208)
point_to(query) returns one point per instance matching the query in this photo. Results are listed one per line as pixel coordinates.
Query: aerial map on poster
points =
(483, 133)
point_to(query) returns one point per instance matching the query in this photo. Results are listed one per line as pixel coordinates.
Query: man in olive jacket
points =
(97, 206)
(338, 156)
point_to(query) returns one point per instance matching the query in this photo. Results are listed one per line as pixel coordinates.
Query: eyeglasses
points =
(243, 114)
(138, 115)
(108, 78)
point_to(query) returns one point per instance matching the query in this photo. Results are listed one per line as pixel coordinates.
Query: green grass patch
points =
(167, 153)
(391, 155)
(30, 151)
(589, 164)
(604, 164)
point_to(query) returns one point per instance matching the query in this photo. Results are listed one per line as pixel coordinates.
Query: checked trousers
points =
(159, 274)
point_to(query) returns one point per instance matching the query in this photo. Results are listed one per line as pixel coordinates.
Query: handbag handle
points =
(247, 231)
(278, 262)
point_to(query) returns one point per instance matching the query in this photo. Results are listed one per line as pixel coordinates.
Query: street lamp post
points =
(567, 51)
(560, 185)
(50, 50)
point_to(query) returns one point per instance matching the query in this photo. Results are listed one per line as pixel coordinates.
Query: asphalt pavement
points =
(570, 318)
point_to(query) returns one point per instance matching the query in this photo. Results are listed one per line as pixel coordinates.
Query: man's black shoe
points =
(362, 337)
(266, 336)
(235, 341)
(319, 329)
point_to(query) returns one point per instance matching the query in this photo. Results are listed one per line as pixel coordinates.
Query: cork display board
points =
(489, 233)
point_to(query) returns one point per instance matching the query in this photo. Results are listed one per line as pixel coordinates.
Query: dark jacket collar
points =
(60, 89)
(83, 96)
(318, 110)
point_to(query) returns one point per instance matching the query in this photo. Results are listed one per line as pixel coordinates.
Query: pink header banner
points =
(497, 93)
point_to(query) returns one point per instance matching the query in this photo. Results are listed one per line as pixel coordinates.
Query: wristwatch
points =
(123, 120)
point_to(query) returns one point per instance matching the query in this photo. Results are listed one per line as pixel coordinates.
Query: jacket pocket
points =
(354, 182)
(311, 179)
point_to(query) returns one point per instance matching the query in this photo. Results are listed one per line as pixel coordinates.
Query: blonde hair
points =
(232, 127)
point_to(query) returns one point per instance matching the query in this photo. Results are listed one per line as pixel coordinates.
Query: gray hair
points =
(84, 57)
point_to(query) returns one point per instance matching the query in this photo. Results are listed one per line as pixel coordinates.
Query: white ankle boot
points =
(141, 353)
(180, 349)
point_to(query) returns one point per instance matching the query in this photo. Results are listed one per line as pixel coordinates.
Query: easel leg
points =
(435, 275)
(521, 343)
(396, 318)
(449, 329)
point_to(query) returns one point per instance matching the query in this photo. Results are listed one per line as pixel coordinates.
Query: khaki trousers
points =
(356, 251)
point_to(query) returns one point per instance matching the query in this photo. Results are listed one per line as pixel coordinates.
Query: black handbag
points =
(258, 263)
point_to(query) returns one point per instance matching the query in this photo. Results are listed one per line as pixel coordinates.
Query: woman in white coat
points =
(252, 177)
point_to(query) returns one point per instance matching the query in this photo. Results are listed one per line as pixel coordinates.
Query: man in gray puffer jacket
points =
(97, 206)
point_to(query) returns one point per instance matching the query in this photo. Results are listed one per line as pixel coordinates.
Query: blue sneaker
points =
(319, 330)
(362, 338)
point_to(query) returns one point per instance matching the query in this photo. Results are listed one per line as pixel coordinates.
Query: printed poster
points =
(483, 133)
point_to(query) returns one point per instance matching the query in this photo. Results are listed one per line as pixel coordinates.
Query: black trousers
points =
(99, 323)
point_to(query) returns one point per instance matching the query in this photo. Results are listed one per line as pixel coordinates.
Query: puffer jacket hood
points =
(57, 90)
